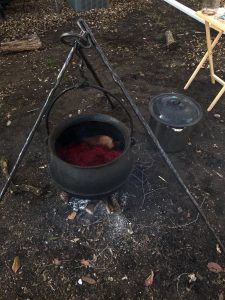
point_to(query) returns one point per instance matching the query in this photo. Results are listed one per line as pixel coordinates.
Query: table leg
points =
(209, 46)
(203, 61)
(217, 98)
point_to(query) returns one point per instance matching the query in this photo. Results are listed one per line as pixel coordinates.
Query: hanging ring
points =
(72, 39)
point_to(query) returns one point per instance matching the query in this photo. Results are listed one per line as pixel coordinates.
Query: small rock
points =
(110, 279)
(179, 210)
(218, 248)
(80, 281)
(192, 277)
(64, 196)
(217, 116)
(8, 123)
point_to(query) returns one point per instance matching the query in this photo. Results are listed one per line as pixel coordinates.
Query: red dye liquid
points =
(86, 155)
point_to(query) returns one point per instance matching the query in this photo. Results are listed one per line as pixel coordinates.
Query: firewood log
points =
(30, 43)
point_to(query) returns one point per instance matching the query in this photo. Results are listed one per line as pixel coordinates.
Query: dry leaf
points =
(16, 264)
(149, 279)
(214, 267)
(188, 215)
(221, 296)
(75, 240)
(56, 261)
(218, 248)
(72, 216)
(94, 259)
(85, 263)
(88, 280)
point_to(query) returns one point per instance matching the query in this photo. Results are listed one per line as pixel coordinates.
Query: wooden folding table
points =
(219, 26)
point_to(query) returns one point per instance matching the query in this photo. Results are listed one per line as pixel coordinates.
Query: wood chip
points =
(170, 41)
(16, 264)
(149, 279)
(221, 296)
(113, 205)
(75, 240)
(85, 262)
(56, 261)
(72, 216)
(4, 167)
(88, 280)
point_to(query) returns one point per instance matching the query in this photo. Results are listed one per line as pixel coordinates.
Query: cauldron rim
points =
(57, 131)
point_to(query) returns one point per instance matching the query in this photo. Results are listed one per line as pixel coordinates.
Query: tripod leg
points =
(37, 123)
(89, 66)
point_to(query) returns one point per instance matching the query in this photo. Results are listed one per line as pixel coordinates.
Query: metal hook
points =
(73, 39)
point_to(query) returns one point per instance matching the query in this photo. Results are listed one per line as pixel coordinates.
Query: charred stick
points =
(16, 188)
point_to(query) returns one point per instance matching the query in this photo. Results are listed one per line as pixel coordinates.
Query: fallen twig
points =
(33, 110)
(27, 188)
(189, 223)
(18, 188)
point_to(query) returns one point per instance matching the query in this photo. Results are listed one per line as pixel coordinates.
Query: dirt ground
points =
(158, 229)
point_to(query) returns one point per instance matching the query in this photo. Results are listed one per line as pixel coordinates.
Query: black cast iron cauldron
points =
(97, 181)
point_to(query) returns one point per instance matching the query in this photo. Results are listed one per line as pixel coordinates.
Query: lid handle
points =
(175, 101)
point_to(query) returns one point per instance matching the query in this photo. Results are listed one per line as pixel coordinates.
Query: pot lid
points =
(175, 110)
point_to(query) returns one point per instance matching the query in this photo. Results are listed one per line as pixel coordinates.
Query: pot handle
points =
(178, 129)
(87, 85)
